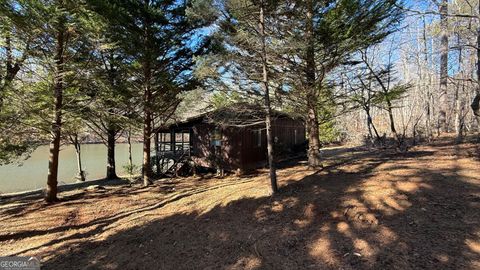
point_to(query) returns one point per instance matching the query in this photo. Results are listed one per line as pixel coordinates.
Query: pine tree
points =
(18, 41)
(160, 38)
(113, 102)
(247, 59)
(66, 28)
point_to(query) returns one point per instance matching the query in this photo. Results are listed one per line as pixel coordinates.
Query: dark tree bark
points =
(111, 169)
(129, 142)
(370, 134)
(392, 121)
(12, 67)
(52, 179)
(147, 100)
(314, 157)
(476, 101)
(147, 132)
(111, 128)
(428, 121)
(442, 121)
(476, 108)
(268, 110)
(371, 125)
(459, 88)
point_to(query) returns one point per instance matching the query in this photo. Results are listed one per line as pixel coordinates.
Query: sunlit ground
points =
(381, 210)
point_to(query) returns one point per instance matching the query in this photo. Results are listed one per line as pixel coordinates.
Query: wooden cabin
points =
(232, 139)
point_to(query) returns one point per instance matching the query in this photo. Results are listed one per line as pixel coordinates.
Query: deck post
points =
(183, 141)
(163, 140)
(190, 142)
(157, 153)
(172, 141)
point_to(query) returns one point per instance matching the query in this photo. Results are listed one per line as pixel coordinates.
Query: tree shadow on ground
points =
(33, 201)
(400, 215)
(374, 210)
(21, 205)
(101, 224)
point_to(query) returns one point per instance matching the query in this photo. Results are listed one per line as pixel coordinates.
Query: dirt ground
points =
(365, 210)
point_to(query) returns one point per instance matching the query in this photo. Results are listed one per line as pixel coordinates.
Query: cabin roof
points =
(236, 115)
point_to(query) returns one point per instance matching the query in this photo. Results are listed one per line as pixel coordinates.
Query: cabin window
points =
(216, 138)
(164, 141)
(182, 141)
(174, 141)
(257, 137)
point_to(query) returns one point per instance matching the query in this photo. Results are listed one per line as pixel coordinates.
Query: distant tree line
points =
(431, 68)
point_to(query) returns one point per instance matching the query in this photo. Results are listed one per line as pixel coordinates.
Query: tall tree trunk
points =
(78, 151)
(314, 157)
(442, 121)
(157, 154)
(426, 84)
(112, 128)
(476, 101)
(163, 149)
(111, 170)
(12, 66)
(147, 132)
(458, 98)
(458, 114)
(370, 134)
(129, 141)
(8, 49)
(268, 110)
(9, 64)
(52, 181)
(147, 100)
(392, 122)
(371, 125)
(476, 108)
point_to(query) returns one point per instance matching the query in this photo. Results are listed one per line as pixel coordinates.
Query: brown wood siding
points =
(282, 128)
(232, 143)
(202, 151)
(239, 145)
(252, 154)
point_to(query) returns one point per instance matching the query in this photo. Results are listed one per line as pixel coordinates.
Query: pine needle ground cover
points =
(363, 210)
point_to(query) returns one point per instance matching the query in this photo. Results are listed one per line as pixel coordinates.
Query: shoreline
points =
(28, 174)
(66, 187)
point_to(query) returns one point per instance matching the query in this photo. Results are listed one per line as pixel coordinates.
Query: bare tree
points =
(476, 101)
(444, 50)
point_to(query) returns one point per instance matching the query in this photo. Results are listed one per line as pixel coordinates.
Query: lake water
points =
(32, 173)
